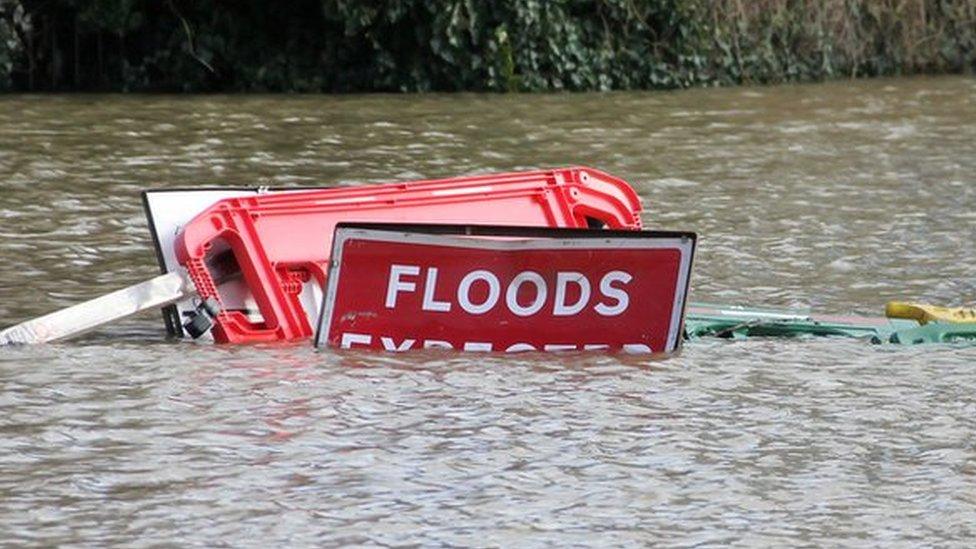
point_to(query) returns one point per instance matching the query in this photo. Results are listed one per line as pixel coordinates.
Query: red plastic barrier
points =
(281, 241)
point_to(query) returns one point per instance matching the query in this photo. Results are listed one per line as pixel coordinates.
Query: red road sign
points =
(404, 287)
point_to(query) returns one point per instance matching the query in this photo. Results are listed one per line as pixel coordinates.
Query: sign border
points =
(434, 234)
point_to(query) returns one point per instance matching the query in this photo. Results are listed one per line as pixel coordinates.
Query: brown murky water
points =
(838, 196)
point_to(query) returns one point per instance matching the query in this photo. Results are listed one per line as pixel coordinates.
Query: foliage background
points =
(451, 45)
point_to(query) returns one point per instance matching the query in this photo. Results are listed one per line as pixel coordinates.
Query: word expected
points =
(350, 339)
(613, 299)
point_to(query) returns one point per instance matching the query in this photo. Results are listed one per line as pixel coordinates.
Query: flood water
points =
(839, 197)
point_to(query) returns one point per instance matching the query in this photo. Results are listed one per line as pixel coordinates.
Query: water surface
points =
(839, 196)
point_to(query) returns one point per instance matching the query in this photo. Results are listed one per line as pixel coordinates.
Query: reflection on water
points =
(838, 196)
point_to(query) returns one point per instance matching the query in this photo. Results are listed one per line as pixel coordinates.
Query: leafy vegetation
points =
(449, 45)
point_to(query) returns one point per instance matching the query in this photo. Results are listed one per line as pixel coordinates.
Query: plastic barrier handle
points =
(285, 318)
(593, 194)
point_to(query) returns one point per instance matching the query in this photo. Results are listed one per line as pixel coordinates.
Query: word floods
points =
(399, 288)
(566, 282)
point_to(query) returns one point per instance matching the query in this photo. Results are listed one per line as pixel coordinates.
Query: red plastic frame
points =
(281, 241)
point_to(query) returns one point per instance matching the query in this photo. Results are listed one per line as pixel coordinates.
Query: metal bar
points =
(77, 319)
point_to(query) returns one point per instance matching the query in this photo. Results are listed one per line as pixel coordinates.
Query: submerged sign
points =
(504, 289)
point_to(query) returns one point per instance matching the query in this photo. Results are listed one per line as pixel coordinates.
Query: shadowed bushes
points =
(498, 45)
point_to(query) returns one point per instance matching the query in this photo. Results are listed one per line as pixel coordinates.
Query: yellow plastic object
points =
(924, 313)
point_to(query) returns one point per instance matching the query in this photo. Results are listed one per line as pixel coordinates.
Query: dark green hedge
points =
(500, 45)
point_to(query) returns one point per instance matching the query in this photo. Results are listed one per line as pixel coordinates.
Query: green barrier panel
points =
(737, 322)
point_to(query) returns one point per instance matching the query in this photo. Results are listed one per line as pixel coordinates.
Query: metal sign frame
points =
(508, 238)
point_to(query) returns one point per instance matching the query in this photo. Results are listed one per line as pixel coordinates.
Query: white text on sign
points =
(612, 301)
(350, 340)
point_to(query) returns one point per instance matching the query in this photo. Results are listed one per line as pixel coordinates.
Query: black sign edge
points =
(508, 230)
(465, 229)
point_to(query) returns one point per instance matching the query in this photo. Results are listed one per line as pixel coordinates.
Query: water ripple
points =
(840, 196)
